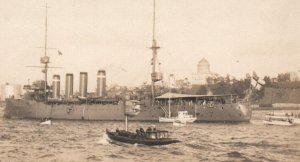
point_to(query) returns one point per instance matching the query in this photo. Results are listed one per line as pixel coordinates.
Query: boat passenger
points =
(138, 132)
(142, 132)
(149, 129)
(124, 133)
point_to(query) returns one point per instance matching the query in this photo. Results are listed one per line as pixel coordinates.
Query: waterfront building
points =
(10, 91)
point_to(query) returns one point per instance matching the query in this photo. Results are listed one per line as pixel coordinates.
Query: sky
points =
(235, 36)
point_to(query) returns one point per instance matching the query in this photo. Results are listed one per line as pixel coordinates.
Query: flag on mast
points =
(59, 53)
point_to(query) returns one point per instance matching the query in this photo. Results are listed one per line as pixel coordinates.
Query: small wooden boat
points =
(46, 122)
(179, 123)
(150, 138)
(182, 116)
(272, 119)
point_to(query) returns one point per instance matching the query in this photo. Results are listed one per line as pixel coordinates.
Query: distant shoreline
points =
(274, 108)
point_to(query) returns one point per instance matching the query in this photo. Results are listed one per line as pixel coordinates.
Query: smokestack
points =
(83, 84)
(101, 83)
(56, 86)
(69, 85)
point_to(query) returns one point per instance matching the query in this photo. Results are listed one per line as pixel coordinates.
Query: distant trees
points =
(216, 85)
(197, 89)
(182, 85)
(284, 77)
(221, 85)
(267, 80)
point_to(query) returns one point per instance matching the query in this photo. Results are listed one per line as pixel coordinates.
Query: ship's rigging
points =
(46, 59)
(155, 75)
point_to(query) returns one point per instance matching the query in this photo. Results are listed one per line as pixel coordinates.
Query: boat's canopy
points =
(178, 95)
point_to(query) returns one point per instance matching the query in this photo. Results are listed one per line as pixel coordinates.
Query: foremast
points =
(155, 75)
(45, 59)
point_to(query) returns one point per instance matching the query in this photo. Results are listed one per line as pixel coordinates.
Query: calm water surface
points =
(25, 140)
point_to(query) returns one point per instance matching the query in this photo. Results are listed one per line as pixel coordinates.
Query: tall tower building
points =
(203, 72)
(203, 67)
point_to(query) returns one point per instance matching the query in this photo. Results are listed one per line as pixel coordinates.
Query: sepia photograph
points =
(150, 80)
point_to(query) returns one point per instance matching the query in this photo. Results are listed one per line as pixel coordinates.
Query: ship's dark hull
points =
(19, 108)
(150, 142)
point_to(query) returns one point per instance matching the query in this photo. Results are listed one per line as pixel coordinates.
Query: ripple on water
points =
(235, 154)
(177, 152)
(5, 137)
(46, 155)
(94, 158)
(196, 146)
(238, 156)
(116, 156)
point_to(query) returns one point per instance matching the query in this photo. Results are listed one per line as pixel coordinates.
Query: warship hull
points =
(20, 108)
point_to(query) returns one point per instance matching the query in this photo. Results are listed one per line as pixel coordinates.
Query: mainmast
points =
(155, 76)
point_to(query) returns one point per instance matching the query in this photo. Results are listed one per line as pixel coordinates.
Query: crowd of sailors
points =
(110, 101)
(191, 102)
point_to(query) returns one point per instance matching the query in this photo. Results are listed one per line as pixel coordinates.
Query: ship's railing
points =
(187, 105)
(83, 101)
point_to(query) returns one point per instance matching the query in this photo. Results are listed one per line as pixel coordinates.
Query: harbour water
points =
(26, 140)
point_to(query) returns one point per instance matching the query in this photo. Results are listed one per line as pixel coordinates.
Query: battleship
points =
(44, 101)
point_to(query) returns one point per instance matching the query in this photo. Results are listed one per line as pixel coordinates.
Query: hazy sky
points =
(235, 36)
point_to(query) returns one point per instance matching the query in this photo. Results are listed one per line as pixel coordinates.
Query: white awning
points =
(178, 95)
(175, 95)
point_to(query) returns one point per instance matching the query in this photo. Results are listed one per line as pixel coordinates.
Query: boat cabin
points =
(159, 134)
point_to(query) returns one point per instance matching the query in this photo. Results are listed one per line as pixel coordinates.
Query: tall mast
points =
(46, 21)
(155, 76)
(45, 59)
(153, 32)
